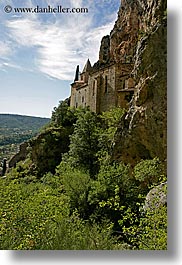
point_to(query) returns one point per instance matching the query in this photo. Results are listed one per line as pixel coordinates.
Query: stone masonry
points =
(104, 85)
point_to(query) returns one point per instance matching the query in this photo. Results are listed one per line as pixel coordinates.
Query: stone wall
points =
(105, 89)
(79, 95)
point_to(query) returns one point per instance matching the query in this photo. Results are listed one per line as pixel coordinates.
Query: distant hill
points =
(15, 129)
(12, 121)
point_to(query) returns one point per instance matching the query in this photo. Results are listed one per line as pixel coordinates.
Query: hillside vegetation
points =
(97, 181)
(15, 129)
(71, 194)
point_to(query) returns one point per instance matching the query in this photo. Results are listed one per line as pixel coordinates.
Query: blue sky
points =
(39, 52)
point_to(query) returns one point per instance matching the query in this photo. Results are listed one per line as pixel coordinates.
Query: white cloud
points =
(5, 49)
(60, 46)
(5, 52)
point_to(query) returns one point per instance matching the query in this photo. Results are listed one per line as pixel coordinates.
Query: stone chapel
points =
(104, 85)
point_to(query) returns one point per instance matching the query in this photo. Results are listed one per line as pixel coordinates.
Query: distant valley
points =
(15, 129)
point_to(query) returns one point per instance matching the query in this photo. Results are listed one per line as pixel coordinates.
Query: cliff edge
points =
(141, 33)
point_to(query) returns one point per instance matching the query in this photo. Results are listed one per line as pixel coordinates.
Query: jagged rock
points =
(104, 54)
(142, 132)
(124, 35)
(21, 155)
(132, 73)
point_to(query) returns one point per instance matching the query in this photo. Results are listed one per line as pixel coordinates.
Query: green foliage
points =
(109, 177)
(63, 115)
(149, 171)
(12, 121)
(26, 210)
(70, 194)
(8, 150)
(150, 232)
(15, 129)
(75, 234)
(76, 185)
(24, 172)
(84, 142)
(153, 229)
(93, 139)
(112, 193)
(51, 180)
(109, 124)
(112, 117)
(36, 216)
(47, 149)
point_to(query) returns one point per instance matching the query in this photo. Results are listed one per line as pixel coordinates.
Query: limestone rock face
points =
(131, 73)
(104, 54)
(141, 31)
(124, 36)
(156, 197)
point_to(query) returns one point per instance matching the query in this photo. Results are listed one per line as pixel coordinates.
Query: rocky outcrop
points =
(21, 155)
(104, 53)
(124, 35)
(156, 197)
(141, 31)
(47, 148)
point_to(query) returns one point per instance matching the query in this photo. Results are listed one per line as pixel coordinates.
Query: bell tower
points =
(85, 73)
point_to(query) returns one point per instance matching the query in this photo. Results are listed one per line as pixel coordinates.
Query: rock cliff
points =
(140, 33)
(21, 155)
(137, 48)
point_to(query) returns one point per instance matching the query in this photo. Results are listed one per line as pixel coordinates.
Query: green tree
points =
(113, 190)
(84, 143)
(76, 185)
(63, 115)
(148, 172)
(110, 121)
